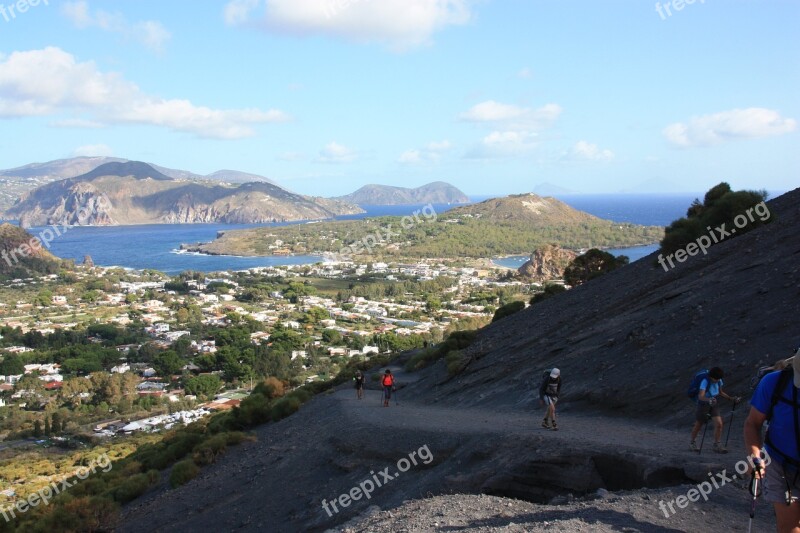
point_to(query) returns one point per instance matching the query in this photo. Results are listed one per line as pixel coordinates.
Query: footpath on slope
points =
(335, 443)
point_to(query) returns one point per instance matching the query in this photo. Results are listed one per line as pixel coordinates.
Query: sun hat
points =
(556, 372)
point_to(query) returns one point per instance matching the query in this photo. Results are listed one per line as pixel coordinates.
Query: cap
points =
(556, 372)
(796, 365)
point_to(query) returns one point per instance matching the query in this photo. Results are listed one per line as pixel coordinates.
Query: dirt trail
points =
(334, 443)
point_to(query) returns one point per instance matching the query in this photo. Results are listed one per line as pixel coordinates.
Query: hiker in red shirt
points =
(388, 387)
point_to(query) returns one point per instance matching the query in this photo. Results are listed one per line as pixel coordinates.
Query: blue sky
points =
(493, 96)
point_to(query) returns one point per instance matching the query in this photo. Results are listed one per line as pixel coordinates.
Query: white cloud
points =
(714, 129)
(525, 73)
(238, 12)
(502, 144)
(586, 151)
(432, 153)
(399, 24)
(336, 153)
(513, 117)
(76, 123)
(107, 98)
(150, 33)
(95, 150)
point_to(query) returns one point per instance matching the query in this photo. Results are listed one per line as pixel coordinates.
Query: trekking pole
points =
(730, 423)
(708, 419)
(394, 389)
(754, 493)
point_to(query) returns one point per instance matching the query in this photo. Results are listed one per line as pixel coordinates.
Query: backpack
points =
(694, 387)
(547, 387)
(764, 370)
(777, 396)
(388, 380)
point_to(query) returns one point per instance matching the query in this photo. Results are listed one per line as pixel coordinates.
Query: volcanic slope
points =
(627, 344)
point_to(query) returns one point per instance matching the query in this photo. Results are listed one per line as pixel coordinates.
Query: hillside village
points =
(157, 317)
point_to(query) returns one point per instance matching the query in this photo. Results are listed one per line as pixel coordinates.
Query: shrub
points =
(132, 488)
(591, 265)
(549, 291)
(508, 309)
(271, 388)
(182, 473)
(207, 451)
(284, 407)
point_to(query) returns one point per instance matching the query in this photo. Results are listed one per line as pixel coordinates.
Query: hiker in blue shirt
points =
(776, 400)
(708, 408)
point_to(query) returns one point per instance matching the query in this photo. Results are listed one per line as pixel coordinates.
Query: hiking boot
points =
(546, 423)
(719, 448)
(555, 426)
(693, 446)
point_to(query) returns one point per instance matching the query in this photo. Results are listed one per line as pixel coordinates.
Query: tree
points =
(30, 383)
(37, 429)
(11, 365)
(73, 389)
(182, 316)
(106, 388)
(56, 427)
(721, 205)
(205, 386)
(331, 336)
(47, 429)
(592, 264)
(44, 298)
(168, 363)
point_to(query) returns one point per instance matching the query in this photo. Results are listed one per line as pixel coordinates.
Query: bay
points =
(156, 246)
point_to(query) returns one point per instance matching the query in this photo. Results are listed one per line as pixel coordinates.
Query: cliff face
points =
(21, 254)
(136, 193)
(546, 263)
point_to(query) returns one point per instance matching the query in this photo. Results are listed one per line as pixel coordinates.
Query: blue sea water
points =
(157, 246)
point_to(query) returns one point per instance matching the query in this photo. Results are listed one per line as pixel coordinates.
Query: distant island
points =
(17, 182)
(437, 192)
(510, 225)
(130, 192)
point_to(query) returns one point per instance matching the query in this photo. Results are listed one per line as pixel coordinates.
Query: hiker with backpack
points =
(388, 387)
(706, 388)
(776, 401)
(359, 383)
(548, 395)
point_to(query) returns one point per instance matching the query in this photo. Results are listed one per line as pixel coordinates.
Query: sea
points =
(157, 246)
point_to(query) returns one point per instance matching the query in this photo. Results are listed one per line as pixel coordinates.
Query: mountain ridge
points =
(131, 192)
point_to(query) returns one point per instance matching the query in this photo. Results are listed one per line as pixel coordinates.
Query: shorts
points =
(548, 400)
(702, 411)
(387, 392)
(775, 484)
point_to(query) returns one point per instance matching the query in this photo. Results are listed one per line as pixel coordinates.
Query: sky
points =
(492, 96)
